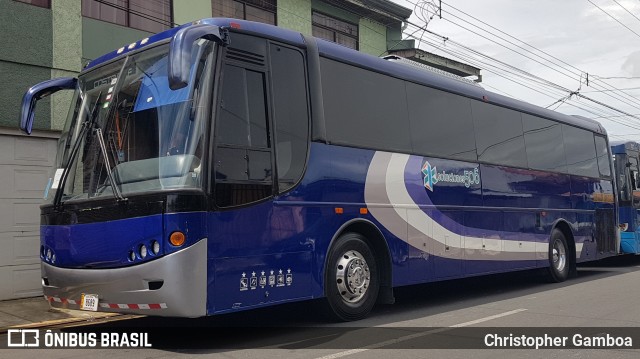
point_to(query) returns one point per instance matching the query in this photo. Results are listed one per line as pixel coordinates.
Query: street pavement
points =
(36, 312)
(604, 294)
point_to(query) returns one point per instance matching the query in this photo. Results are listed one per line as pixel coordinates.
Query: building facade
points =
(44, 39)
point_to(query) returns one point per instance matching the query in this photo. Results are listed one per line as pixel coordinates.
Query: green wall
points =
(25, 58)
(26, 33)
(38, 44)
(67, 54)
(335, 12)
(372, 37)
(185, 11)
(100, 37)
(16, 79)
(295, 15)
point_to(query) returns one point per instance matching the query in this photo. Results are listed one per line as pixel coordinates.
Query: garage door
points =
(25, 164)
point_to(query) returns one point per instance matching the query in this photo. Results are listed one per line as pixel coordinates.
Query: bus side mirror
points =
(37, 92)
(180, 51)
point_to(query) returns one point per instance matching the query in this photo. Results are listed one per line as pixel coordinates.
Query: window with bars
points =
(252, 10)
(40, 3)
(147, 15)
(335, 30)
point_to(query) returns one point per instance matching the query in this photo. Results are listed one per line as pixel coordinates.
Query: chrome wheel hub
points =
(352, 276)
(559, 255)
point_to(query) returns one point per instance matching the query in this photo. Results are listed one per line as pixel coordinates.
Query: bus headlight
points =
(155, 247)
(132, 256)
(49, 254)
(143, 251)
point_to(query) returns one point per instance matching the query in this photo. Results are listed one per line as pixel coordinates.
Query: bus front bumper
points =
(174, 285)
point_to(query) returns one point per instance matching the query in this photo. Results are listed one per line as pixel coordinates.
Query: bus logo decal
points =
(431, 176)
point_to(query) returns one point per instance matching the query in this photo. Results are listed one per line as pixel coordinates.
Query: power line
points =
(548, 57)
(584, 107)
(619, 77)
(627, 10)
(548, 83)
(627, 88)
(580, 72)
(537, 79)
(611, 16)
(564, 89)
(501, 73)
(637, 114)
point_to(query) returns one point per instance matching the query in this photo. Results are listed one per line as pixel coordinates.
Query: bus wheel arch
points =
(562, 233)
(351, 233)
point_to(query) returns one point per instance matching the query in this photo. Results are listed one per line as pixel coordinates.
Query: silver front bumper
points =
(136, 289)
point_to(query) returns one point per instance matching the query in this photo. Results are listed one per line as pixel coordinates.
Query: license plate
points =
(89, 302)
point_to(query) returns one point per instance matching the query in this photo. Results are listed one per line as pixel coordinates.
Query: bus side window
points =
(291, 113)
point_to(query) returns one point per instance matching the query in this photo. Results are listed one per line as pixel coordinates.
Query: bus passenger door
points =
(628, 181)
(632, 244)
(605, 232)
(258, 252)
(602, 194)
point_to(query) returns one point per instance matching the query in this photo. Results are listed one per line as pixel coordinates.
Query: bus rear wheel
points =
(351, 278)
(559, 259)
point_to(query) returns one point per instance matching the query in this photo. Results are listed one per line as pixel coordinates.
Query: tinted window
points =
(581, 151)
(603, 156)
(291, 113)
(499, 135)
(243, 170)
(545, 147)
(441, 123)
(363, 108)
(242, 109)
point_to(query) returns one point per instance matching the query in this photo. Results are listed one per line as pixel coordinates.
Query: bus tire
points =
(559, 258)
(351, 278)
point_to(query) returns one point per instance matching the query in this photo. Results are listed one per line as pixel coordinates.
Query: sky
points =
(578, 38)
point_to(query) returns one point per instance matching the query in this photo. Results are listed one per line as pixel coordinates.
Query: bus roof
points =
(356, 58)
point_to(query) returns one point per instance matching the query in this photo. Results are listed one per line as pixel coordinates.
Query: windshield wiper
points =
(85, 126)
(65, 172)
(107, 165)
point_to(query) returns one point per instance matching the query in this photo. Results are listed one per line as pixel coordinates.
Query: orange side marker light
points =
(177, 239)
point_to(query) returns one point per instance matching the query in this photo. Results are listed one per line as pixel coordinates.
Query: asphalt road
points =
(454, 315)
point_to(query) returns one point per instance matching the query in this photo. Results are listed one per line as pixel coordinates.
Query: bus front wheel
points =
(351, 278)
(559, 259)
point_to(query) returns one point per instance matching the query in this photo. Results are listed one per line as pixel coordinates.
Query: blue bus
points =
(626, 156)
(226, 165)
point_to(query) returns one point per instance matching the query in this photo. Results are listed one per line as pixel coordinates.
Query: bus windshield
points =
(128, 132)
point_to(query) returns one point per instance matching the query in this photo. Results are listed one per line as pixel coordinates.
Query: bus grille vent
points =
(245, 56)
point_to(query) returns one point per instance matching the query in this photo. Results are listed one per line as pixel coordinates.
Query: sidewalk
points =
(34, 312)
